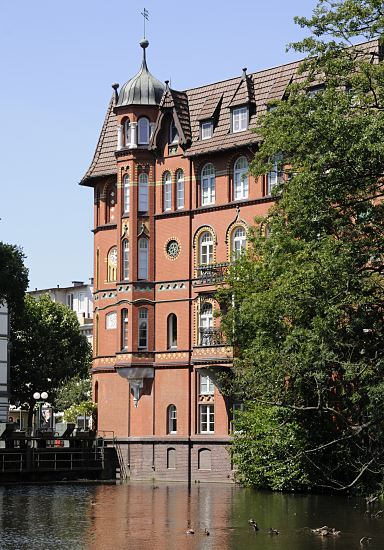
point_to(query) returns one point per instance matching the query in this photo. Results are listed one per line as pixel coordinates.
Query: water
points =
(155, 517)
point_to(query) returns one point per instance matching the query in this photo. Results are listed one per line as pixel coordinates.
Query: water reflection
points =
(156, 517)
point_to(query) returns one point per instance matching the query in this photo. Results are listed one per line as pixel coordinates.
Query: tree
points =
(74, 397)
(47, 348)
(307, 320)
(13, 276)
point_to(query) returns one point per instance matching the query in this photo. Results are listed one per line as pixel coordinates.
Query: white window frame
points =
(206, 129)
(274, 176)
(208, 183)
(70, 300)
(167, 191)
(111, 320)
(180, 189)
(239, 242)
(124, 328)
(143, 131)
(173, 139)
(239, 119)
(143, 192)
(171, 419)
(207, 387)
(125, 260)
(207, 419)
(143, 254)
(127, 132)
(126, 194)
(206, 248)
(241, 179)
(81, 302)
(142, 336)
(205, 320)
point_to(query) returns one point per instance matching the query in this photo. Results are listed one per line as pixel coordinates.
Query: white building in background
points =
(79, 298)
(4, 362)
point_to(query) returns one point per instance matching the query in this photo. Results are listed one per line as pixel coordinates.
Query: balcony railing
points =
(211, 274)
(210, 337)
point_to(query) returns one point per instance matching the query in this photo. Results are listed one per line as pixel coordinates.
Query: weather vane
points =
(145, 15)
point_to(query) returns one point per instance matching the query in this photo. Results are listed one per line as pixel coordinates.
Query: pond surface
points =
(153, 517)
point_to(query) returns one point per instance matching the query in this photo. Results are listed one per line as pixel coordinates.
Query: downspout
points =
(190, 368)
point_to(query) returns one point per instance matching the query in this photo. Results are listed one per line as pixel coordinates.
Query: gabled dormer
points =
(242, 104)
(209, 115)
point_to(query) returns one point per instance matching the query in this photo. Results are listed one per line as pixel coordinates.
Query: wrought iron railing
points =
(211, 273)
(210, 337)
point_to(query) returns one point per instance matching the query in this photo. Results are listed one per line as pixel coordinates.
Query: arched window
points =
(143, 258)
(206, 248)
(110, 203)
(239, 242)
(127, 132)
(180, 188)
(112, 264)
(167, 191)
(124, 329)
(276, 175)
(143, 192)
(171, 458)
(208, 184)
(173, 133)
(241, 179)
(143, 328)
(143, 131)
(172, 331)
(204, 455)
(126, 198)
(206, 325)
(125, 263)
(111, 320)
(171, 419)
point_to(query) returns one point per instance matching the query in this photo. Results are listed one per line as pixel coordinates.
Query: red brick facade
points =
(137, 377)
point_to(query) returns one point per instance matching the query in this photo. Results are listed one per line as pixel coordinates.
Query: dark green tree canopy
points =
(47, 348)
(307, 321)
(13, 276)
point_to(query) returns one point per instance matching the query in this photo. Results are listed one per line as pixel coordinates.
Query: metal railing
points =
(211, 273)
(210, 337)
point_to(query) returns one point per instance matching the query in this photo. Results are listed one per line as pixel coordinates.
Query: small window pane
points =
(206, 130)
(167, 191)
(143, 131)
(240, 119)
(143, 258)
(126, 194)
(143, 192)
(111, 321)
(180, 188)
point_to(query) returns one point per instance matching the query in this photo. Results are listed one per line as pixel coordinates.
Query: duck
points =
(206, 532)
(190, 532)
(272, 531)
(364, 541)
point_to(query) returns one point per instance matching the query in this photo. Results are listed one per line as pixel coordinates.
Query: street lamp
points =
(40, 398)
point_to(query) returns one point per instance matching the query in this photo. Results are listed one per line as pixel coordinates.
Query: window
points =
(111, 320)
(180, 188)
(112, 264)
(143, 131)
(125, 254)
(241, 179)
(206, 325)
(127, 127)
(172, 419)
(143, 258)
(275, 176)
(205, 459)
(239, 119)
(143, 192)
(126, 194)
(239, 242)
(173, 133)
(81, 302)
(171, 458)
(206, 248)
(206, 130)
(208, 184)
(207, 387)
(207, 419)
(172, 331)
(70, 301)
(110, 203)
(167, 191)
(143, 328)
(124, 329)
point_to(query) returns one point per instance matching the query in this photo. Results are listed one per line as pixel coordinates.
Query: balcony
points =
(211, 274)
(210, 337)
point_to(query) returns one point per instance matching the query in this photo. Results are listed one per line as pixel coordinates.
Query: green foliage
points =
(307, 321)
(47, 348)
(86, 408)
(13, 276)
(267, 449)
(73, 391)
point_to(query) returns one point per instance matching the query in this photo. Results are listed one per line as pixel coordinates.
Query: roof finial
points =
(115, 86)
(145, 15)
(244, 73)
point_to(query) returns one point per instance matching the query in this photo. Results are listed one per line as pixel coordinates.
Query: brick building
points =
(172, 200)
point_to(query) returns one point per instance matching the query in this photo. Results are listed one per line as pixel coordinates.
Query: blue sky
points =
(58, 61)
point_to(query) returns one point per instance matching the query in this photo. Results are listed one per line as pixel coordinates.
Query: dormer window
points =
(206, 129)
(173, 133)
(239, 119)
(143, 129)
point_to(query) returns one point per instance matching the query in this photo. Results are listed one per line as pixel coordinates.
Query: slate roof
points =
(196, 104)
